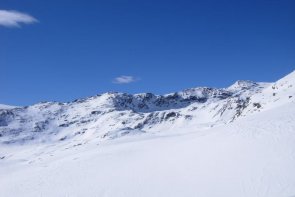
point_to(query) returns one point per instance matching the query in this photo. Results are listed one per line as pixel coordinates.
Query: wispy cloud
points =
(124, 79)
(11, 18)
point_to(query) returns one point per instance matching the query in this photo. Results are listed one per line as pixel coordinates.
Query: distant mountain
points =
(104, 115)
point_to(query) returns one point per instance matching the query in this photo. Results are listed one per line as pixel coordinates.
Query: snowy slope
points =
(247, 149)
(254, 156)
(275, 95)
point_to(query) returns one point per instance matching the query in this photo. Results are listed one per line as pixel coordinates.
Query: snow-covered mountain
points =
(235, 141)
(103, 115)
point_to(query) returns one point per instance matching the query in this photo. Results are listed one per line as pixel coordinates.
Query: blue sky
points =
(73, 49)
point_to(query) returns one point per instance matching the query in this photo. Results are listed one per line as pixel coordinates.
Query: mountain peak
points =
(242, 85)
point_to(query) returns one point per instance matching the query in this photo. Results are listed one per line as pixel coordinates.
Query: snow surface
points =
(252, 154)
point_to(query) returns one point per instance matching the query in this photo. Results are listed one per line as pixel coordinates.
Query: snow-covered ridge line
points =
(6, 106)
(101, 116)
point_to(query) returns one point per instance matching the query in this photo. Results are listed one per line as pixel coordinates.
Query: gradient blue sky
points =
(78, 47)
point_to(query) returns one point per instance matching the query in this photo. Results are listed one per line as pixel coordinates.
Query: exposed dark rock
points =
(96, 112)
(5, 117)
(257, 105)
(170, 115)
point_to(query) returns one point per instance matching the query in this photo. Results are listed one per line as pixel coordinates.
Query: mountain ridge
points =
(99, 115)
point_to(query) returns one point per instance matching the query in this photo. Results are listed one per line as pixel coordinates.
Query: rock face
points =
(105, 115)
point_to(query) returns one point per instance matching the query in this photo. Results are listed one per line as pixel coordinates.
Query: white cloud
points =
(124, 79)
(11, 18)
